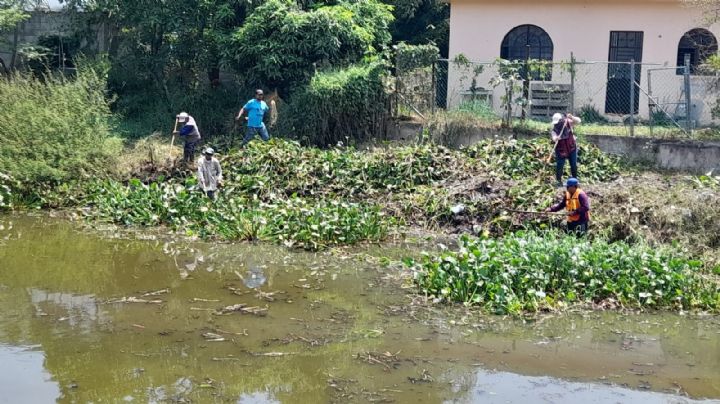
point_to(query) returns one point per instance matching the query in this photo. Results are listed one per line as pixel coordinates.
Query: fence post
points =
(572, 83)
(632, 97)
(686, 74)
(651, 103)
(396, 107)
(526, 84)
(433, 89)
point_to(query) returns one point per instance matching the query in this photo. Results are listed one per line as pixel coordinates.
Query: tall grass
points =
(55, 129)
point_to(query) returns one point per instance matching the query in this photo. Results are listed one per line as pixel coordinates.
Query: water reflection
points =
(23, 378)
(254, 276)
(503, 387)
(258, 398)
(81, 312)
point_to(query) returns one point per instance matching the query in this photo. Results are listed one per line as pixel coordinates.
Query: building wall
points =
(46, 23)
(580, 27)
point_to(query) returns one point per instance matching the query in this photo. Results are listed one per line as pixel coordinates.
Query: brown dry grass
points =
(149, 158)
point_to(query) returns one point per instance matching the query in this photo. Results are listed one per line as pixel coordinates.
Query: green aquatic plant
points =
(7, 185)
(309, 224)
(530, 271)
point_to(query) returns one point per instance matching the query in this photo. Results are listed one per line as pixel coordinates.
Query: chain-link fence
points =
(618, 97)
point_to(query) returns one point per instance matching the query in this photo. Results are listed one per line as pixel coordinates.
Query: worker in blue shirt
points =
(256, 110)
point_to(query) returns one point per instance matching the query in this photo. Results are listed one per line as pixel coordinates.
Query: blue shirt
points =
(256, 112)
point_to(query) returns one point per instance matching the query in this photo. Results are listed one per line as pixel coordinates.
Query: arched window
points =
(527, 41)
(700, 44)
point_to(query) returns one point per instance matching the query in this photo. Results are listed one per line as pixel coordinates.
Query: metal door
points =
(625, 46)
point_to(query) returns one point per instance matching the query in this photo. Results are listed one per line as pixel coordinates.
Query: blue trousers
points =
(560, 165)
(251, 132)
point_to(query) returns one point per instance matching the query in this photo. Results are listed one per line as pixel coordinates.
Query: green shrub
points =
(338, 105)
(144, 112)
(410, 57)
(56, 129)
(280, 45)
(480, 109)
(660, 118)
(530, 272)
(589, 114)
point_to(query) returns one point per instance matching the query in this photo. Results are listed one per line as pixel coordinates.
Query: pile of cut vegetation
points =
(315, 198)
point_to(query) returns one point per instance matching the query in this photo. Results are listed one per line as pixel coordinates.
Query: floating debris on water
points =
(242, 308)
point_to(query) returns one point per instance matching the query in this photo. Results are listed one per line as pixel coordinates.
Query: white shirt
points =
(209, 173)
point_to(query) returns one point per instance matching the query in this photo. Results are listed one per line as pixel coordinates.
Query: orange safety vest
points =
(572, 203)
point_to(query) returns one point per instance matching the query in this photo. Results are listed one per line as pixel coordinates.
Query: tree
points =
(282, 45)
(12, 13)
(420, 22)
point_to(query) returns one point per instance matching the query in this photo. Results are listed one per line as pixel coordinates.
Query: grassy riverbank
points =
(313, 199)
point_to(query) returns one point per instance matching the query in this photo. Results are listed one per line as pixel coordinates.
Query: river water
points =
(99, 315)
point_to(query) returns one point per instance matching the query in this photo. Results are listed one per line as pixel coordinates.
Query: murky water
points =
(88, 317)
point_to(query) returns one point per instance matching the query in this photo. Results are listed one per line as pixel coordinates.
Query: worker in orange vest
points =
(577, 204)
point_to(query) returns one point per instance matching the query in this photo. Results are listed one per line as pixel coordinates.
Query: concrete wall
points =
(46, 23)
(581, 27)
(688, 156)
(682, 155)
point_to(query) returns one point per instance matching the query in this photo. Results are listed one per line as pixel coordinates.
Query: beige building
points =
(606, 34)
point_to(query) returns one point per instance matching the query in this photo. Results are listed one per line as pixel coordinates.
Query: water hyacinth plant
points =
(7, 183)
(294, 222)
(527, 272)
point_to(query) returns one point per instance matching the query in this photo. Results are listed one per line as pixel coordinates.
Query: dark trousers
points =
(577, 228)
(189, 150)
(560, 165)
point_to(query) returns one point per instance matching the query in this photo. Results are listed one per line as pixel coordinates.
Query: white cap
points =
(556, 118)
(183, 116)
(209, 151)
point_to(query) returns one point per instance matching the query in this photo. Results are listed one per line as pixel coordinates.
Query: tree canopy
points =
(281, 44)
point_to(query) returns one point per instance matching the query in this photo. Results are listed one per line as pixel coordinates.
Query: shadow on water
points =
(88, 315)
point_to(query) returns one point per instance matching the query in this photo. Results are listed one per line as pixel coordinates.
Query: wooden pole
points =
(557, 141)
(172, 142)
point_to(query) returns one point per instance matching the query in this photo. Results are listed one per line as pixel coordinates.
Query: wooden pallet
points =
(547, 99)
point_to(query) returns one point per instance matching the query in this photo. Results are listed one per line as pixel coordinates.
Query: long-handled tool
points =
(537, 212)
(172, 142)
(557, 141)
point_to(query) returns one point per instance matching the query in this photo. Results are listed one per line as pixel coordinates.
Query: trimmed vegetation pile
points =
(533, 271)
(526, 159)
(315, 198)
